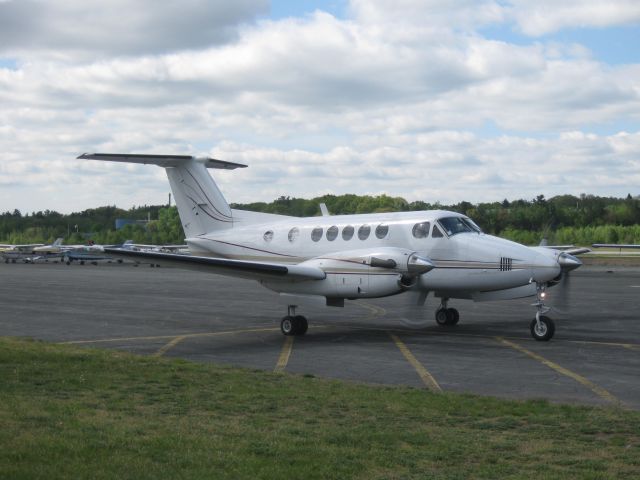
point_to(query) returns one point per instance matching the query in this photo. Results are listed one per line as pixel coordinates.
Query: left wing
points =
(222, 266)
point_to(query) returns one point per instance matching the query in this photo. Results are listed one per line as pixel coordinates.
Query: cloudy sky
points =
(435, 100)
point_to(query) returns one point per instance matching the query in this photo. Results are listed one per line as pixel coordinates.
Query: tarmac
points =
(593, 359)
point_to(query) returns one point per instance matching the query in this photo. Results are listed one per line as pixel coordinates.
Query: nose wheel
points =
(293, 324)
(542, 327)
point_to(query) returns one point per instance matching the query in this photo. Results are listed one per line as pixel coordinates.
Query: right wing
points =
(222, 266)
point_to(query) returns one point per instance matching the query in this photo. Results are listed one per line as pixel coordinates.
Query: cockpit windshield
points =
(455, 225)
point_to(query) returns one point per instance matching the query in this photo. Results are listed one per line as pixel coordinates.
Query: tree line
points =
(564, 219)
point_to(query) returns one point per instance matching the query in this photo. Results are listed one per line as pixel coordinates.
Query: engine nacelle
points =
(359, 274)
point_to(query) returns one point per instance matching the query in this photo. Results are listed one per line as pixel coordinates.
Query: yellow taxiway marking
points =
(373, 309)
(447, 333)
(164, 337)
(285, 353)
(423, 373)
(601, 392)
(169, 346)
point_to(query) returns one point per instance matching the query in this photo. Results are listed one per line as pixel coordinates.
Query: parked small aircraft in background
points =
(349, 256)
(29, 253)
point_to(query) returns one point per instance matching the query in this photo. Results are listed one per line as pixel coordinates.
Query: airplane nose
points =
(568, 262)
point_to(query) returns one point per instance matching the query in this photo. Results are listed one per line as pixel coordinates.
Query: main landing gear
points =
(542, 327)
(293, 324)
(446, 316)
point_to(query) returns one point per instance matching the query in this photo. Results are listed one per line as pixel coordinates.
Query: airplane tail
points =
(58, 242)
(201, 205)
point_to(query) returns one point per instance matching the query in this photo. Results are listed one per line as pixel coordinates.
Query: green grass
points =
(67, 412)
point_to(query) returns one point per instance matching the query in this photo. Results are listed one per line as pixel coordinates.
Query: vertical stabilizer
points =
(201, 205)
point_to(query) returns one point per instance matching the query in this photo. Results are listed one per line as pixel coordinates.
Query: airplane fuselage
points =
(467, 263)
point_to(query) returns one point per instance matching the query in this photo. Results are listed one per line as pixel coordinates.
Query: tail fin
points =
(58, 242)
(201, 205)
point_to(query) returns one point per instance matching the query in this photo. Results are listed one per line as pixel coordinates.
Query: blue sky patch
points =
(8, 63)
(299, 8)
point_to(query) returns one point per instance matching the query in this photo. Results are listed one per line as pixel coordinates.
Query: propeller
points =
(562, 300)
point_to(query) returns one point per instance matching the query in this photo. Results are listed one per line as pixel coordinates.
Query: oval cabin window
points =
(347, 232)
(382, 230)
(268, 235)
(363, 232)
(316, 234)
(332, 233)
(294, 233)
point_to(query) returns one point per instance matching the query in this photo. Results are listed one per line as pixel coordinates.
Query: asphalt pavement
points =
(594, 357)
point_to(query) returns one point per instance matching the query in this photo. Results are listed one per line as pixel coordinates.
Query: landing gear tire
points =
(447, 316)
(287, 326)
(294, 325)
(301, 324)
(441, 316)
(453, 315)
(544, 330)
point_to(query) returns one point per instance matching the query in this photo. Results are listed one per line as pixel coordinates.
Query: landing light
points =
(543, 295)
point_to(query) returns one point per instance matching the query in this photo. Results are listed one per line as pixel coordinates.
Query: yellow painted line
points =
(422, 372)
(447, 333)
(285, 353)
(169, 346)
(164, 337)
(374, 310)
(601, 392)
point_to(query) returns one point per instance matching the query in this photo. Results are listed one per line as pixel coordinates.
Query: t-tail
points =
(201, 205)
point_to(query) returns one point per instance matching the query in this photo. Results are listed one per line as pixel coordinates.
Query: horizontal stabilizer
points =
(161, 160)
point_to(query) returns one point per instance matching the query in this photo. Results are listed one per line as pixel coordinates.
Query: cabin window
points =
(347, 232)
(268, 235)
(294, 233)
(436, 233)
(421, 230)
(382, 230)
(363, 232)
(316, 234)
(332, 233)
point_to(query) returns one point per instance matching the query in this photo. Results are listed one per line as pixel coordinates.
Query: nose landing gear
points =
(542, 327)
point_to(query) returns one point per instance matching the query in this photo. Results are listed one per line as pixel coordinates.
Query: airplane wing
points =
(222, 266)
(570, 249)
(615, 245)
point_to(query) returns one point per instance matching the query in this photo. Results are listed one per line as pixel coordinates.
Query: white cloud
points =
(66, 29)
(405, 98)
(540, 17)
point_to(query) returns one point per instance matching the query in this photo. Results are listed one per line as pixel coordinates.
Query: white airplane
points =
(56, 248)
(349, 256)
(30, 253)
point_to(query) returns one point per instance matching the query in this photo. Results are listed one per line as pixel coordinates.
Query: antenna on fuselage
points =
(324, 210)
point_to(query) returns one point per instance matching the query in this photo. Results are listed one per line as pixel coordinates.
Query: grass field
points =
(67, 412)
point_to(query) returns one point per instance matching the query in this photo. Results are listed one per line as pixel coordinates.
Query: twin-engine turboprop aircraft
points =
(349, 256)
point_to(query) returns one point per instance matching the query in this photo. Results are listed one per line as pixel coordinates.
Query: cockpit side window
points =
(436, 233)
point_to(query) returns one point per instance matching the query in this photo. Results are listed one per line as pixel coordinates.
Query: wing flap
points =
(222, 266)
